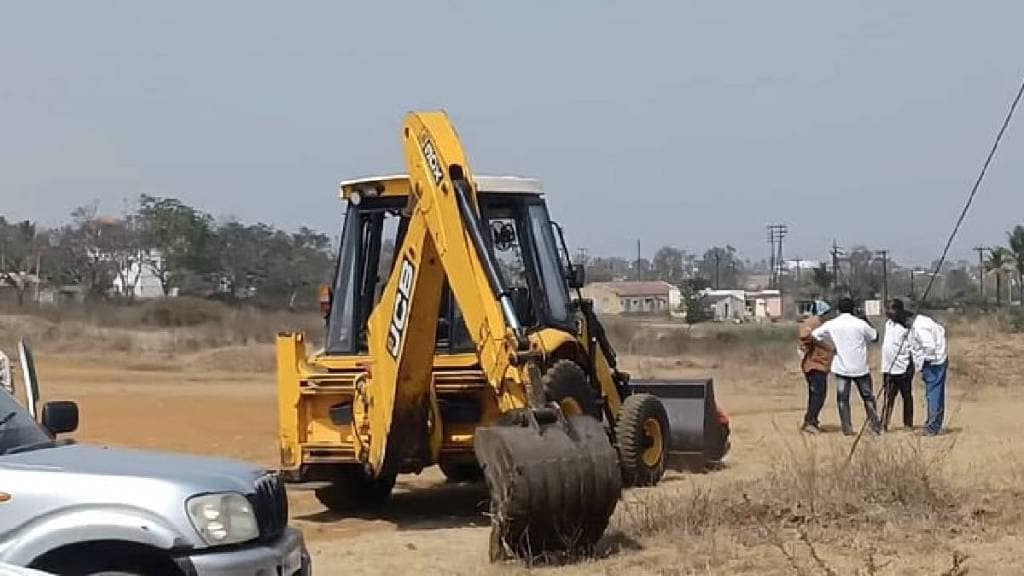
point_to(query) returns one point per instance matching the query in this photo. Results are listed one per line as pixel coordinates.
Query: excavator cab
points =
(520, 237)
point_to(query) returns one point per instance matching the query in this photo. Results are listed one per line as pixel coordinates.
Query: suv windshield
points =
(18, 431)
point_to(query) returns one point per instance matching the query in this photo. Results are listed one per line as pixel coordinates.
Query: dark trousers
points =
(863, 384)
(901, 384)
(817, 382)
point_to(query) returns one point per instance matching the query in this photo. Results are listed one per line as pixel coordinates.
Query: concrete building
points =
(654, 297)
(744, 306)
(727, 305)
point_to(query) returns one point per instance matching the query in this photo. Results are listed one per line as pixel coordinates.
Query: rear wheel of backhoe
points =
(643, 437)
(353, 490)
(553, 487)
(566, 383)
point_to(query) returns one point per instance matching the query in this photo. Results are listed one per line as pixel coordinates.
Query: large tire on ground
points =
(553, 489)
(462, 471)
(643, 437)
(353, 490)
(566, 383)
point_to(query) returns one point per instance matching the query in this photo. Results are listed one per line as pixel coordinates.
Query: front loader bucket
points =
(699, 430)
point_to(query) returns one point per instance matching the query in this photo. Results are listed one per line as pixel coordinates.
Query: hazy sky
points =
(682, 123)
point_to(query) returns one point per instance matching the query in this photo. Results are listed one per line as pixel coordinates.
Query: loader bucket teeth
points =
(553, 487)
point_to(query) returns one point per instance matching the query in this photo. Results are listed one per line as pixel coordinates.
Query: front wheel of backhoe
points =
(353, 491)
(642, 434)
(565, 383)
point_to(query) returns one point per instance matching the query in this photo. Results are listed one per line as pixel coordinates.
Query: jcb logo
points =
(400, 315)
(433, 162)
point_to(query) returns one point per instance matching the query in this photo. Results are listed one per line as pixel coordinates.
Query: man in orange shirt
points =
(816, 363)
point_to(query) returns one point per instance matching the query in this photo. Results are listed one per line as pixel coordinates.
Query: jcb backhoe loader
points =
(452, 339)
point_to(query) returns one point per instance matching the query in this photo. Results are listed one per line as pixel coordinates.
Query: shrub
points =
(176, 312)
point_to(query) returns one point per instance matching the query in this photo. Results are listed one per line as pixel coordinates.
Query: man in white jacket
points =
(850, 336)
(928, 348)
(897, 369)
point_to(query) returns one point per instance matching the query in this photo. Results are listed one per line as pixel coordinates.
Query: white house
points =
(137, 280)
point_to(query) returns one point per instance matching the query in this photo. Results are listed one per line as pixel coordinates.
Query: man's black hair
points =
(845, 305)
(897, 305)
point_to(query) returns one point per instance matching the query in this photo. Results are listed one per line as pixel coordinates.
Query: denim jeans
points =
(934, 376)
(863, 384)
(817, 382)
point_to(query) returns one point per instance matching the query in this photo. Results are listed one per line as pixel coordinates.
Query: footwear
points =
(849, 433)
(810, 429)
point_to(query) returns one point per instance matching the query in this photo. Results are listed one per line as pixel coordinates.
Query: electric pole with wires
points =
(981, 270)
(776, 264)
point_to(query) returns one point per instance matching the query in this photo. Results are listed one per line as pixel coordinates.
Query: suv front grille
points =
(271, 505)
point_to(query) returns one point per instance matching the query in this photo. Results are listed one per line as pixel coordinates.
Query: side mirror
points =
(577, 276)
(60, 417)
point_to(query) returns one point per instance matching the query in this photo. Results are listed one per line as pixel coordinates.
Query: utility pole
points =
(836, 252)
(912, 296)
(885, 276)
(981, 270)
(776, 232)
(638, 276)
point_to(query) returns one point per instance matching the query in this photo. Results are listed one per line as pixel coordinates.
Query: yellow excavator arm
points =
(442, 237)
(554, 478)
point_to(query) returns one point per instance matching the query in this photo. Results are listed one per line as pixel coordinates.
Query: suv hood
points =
(202, 473)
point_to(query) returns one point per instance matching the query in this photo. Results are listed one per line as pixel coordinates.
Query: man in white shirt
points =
(850, 336)
(897, 370)
(928, 349)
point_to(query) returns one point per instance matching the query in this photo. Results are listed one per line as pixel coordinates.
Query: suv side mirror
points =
(577, 276)
(60, 417)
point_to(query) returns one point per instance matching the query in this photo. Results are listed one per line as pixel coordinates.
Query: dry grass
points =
(153, 330)
(809, 506)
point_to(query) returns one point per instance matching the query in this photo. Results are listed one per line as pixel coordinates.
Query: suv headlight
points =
(221, 519)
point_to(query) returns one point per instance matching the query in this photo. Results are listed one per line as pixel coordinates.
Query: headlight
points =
(222, 519)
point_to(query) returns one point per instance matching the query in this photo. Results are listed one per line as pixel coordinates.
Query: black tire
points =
(353, 491)
(462, 471)
(643, 438)
(566, 383)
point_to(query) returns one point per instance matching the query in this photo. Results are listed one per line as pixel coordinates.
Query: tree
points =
(822, 279)
(1016, 241)
(865, 273)
(296, 263)
(958, 286)
(607, 269)
(176, 239)
(694, 305)
(721, 267)
(668, 265)
(998, 263)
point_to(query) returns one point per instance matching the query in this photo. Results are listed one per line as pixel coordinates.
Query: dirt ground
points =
(433, 528)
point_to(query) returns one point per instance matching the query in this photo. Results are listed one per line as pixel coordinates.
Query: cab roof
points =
(398, 185)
